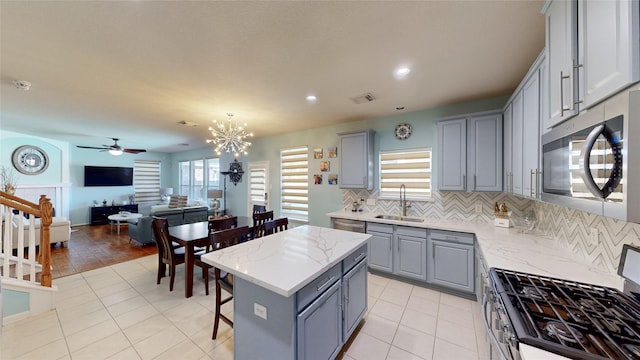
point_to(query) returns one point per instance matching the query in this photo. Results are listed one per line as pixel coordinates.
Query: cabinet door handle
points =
(531, 176)
(464, 182)
(474, 182)
(576, 66)
(562, 78)
(329, 281)
(361, 256)
(433, 251)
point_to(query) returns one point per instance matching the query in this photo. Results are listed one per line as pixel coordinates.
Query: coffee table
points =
(121, 217)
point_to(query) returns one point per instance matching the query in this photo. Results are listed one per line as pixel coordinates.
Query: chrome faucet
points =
(403, 200)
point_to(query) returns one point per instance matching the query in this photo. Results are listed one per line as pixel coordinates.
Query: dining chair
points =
(259, 209)
(221, 240)
(277, 225)
(258, 223)
(222, 224)
(168, 254)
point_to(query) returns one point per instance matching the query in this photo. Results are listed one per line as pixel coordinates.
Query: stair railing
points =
(13, 228)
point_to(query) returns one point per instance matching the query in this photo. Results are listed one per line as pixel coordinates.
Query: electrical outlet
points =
(478, 209)
(593, 236)
(260, 310)
(371, 202)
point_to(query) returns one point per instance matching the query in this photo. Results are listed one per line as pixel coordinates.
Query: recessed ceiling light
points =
(311, 98)
(402, 72)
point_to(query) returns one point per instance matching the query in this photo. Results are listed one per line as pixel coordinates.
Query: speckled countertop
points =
(508, 249)
(286, 261)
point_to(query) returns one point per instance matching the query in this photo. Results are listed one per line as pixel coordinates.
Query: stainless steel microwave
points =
(592, 162)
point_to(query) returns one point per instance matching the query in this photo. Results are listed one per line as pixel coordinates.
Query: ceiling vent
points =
(187, 123)
(22, 85)
(368, 97)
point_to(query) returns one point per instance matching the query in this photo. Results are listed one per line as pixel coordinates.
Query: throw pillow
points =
(173, 203)
(182, 201)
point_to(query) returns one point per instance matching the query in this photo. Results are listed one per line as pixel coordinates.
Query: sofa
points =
(59, 231)
(140, 229)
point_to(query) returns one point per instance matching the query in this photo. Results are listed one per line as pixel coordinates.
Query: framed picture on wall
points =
(317, 153)
(333, 151)
(324, 166)
(333, 179)
(317, 179)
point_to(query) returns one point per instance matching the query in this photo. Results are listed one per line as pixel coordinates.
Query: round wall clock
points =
(403, 131)
(30, 160)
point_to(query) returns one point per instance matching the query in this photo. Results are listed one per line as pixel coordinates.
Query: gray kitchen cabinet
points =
(320, 326)
(452, 154)
(507, 118)
(380, 246)
(411, 254)
(525, 107)
(452, 262)
(470, 152)
(400, 250)
(356, 160)
(354, 289)
(592, 51)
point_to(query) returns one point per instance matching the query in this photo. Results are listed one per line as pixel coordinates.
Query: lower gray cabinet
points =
(320, 326)
(452, 260)
(380, 246)
(411, 254)
(401, 250)
(331, 307)
(354, 289)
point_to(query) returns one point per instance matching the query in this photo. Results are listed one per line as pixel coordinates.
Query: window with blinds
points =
(294, 182)
(146, 181)
(257, 184)
(409, 167)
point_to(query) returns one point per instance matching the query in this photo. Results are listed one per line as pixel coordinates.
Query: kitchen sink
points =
(399, 218)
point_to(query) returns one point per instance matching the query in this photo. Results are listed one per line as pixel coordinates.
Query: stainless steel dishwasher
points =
(349, 225)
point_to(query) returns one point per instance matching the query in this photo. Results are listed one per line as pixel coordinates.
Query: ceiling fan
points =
(114, 149)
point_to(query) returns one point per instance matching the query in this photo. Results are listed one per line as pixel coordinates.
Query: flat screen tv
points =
(108, 176)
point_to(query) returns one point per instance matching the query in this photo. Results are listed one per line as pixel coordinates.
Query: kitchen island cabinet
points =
(290, 291)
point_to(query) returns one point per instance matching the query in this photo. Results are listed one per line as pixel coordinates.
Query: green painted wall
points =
(14, 302)
(327, 198)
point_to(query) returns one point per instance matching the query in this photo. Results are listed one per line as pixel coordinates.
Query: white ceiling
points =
(134, 69)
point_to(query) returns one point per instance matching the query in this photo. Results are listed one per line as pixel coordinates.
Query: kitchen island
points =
(298, 294)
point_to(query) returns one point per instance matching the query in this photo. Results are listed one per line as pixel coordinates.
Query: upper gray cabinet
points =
(356, 160)
(522, 117)
(470, 152)
(593, 52)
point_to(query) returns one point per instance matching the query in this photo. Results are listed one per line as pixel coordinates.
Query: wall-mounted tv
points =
(108, 176)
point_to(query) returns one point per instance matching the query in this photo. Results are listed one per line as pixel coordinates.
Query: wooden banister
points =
(44, 210)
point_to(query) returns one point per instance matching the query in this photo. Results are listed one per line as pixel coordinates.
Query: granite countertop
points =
(506, 248)
(287, 261)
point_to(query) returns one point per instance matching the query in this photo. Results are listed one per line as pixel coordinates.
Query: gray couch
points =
(140, 229)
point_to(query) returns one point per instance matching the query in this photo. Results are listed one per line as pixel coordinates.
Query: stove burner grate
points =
(534, 293)
(633, 350)
(562, 332)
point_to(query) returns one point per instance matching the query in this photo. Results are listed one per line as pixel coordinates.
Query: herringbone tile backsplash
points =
(571, 228)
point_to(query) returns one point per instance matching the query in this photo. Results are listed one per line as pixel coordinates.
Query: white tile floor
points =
(119, 312)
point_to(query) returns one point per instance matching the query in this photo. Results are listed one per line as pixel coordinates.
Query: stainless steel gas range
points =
(575, 320)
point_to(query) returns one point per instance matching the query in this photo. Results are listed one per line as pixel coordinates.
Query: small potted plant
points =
(8, 180)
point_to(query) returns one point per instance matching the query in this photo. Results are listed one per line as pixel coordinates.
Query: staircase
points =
(25, 266)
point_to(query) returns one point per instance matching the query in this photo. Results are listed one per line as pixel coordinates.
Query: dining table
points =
(196, 235)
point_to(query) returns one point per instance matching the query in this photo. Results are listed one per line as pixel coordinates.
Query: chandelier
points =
(228, 136)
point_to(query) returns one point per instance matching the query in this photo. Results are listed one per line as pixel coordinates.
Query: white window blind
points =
(409, 167)
(258, 182)
(294, 181)
(146, 181)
